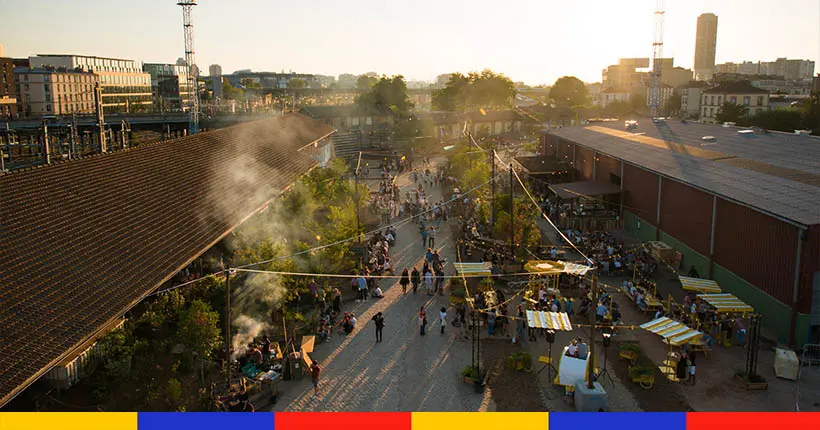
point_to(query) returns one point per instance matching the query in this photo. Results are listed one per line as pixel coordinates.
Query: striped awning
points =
(473, 269)
(549, 320)
(726, 302)
(673, 332)
(548, 267)
(699, 285)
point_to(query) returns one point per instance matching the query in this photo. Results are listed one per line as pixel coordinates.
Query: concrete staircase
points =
(347, 144)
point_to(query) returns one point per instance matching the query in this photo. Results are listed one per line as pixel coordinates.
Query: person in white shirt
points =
(353, 320)
(442, 315)
(379, 293)
(428, 282)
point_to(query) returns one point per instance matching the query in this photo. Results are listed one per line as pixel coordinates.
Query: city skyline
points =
(535, 42)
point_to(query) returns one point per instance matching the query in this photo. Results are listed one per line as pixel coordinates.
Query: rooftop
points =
(113, 228)
(739, 87)
(775, 173)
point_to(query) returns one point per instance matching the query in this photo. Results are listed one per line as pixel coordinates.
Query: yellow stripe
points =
(68, 421)
(480, 421)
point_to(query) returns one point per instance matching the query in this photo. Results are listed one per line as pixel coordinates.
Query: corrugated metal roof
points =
(87, 239)
(790, 194)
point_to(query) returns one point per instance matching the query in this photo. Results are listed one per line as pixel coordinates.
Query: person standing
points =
(691, 363)
(415, 278)
(442, 316)
(378, 319)
(405, 279)
(423, 233)
(337, 300)
(428, 281)
(432, 236)
(362, 288)
(422, 320)
(315, 371)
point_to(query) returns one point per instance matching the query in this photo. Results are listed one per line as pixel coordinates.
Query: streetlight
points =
(606, 334)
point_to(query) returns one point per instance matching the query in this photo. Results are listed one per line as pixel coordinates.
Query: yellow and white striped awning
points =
(549, 320)
(726, 303)
(699, 285)
(673, 332)
(549, 267)
(473, 269)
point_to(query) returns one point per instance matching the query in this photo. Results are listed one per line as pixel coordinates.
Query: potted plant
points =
(520, 362)
(470, 374)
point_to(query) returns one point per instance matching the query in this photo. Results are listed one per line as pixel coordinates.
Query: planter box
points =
(752, 386)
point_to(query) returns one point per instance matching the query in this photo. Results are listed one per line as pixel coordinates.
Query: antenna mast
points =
(655, 83)
(193, 93)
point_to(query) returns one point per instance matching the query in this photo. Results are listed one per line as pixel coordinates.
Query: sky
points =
(534, 41)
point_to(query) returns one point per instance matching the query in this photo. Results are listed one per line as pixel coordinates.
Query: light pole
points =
(358, 225)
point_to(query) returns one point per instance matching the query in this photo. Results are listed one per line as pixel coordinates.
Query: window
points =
(48, 108)
(719, 100)
(48, 97)
(747, 100)
(733, 99)
(26, 86)
(46, 88)
(760, 100)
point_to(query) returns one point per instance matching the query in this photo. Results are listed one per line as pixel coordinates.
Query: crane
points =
(655, 81)
(192, 72)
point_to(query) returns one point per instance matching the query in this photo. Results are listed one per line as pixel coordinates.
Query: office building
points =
(125, 86)
(8, 90)
(170, 86)
(705, 46)
(215, 72)
(690, 98)
(47, 91)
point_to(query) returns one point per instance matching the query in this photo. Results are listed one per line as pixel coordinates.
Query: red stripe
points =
(343, 420)
(751, 420)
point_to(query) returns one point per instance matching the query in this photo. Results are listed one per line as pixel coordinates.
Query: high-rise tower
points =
(705, 46)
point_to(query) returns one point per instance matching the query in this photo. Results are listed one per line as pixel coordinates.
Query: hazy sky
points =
(535, 41)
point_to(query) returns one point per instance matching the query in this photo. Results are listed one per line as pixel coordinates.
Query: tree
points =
(387, 94)
(569, 91)
(486, 89)
(198, 329)
(780, 120)
(230, 92)
(731, 112)
(365, 82)
(296, 83)
(672, 105)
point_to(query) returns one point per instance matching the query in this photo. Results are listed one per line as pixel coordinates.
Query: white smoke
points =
(255, 299)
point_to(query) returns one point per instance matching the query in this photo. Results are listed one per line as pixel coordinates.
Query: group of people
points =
(378, 248)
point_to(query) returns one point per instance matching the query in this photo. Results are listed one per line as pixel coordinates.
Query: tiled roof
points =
(740, 87)
(85, 240)
(775, 173)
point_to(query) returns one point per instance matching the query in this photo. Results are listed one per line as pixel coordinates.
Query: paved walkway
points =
(405, 372)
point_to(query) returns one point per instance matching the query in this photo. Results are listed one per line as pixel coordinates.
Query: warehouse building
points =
(741, 205)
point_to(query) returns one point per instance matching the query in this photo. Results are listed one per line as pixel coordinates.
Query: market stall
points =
(699, 285)
(674, 333)
(727, 303)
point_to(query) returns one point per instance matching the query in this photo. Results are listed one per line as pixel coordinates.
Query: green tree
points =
(388, 94)
(569, 91)
(731, 112)
(780, 120)
(198, 329)
(296, 84)
(672, 105)
(365, 83)
(230, 92)
(486, 89)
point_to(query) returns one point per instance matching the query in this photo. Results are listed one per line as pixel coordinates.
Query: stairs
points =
(347, 145)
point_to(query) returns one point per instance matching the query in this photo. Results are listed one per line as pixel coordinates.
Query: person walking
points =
(423, 235)
(431, 236)
(442, 316)
(379, 320)
(415, 278)
(691, 363)
(422, 320)
(315, 371)
(405, 279)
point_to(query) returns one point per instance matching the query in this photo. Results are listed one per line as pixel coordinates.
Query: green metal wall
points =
(690, 256)
(646, 232)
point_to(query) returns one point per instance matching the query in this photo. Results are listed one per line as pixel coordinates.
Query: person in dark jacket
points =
(415, 278)
(405, 279)
(379, 320)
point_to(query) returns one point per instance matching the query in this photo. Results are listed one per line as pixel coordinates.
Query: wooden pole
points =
(591, 366)
(228, 326)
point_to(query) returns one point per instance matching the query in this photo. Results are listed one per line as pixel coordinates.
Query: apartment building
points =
(125, 86)
(756, 100)
(8, 99)
(45, 92)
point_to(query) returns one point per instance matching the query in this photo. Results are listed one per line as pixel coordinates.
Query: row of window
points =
(718, 100)
(125, 80)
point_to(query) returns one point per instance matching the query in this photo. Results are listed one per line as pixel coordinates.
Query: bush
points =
(630, 347)
(470, 372)
(173, 391)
